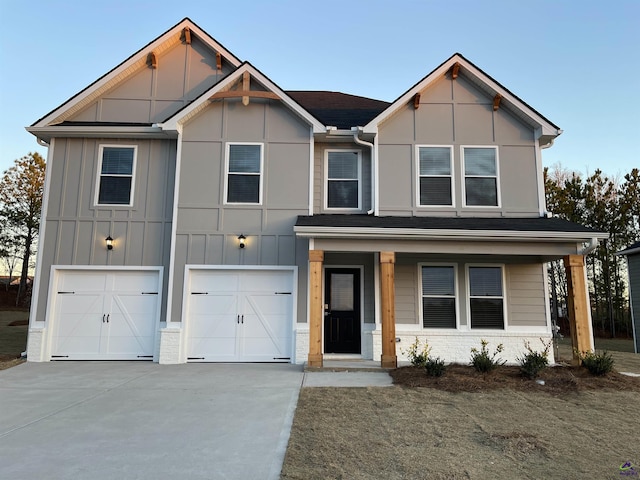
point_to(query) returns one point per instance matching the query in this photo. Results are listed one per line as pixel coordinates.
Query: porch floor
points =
(349, 365)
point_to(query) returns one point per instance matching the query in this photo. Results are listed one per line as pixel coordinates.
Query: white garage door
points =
(239, 315)
(102, 315)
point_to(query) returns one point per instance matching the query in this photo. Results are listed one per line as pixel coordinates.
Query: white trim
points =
(35, 288)
(226, 173)
(418, 176)
(174, 232)
(542, 199)
(503, 297)
(352, 267)
(547, 299)
(312, 165)
(376, 181)
(268, 268)
(326, 179)
(96, 199)
(588, 306)
(463, 177)
(456, 297)
(112, 131)
(443, 234)
(376, 290)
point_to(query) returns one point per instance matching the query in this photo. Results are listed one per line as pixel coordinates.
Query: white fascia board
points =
(630, 251)
(442, 234)
(203, 100)
(130, 65)
(547, 128)
(72, 131)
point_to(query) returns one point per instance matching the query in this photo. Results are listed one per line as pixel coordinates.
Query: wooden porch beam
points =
(578, 305)
(243, 94)
(389, 358)
(316, 308)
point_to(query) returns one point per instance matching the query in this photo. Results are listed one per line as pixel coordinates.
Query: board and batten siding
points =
(152, 95)
(207, 228)
(456, 113)
(75, 228)
(634, 287)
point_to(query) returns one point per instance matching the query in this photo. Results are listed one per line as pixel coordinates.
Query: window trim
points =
(226, 173)
(451, 176)
(503, 272)
(326, 179)
(464, 177)
(96, 199)
(456, 297)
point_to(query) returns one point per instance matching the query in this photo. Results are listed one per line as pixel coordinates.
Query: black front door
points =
(342, 310)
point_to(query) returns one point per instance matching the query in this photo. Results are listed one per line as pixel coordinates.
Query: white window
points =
(481, 176)
(343, 190)
(486, 297)
(116, 175)
(438, 296)
(244, 173)
(435, 186)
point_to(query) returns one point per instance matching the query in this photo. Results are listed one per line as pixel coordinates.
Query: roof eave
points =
(47, 133)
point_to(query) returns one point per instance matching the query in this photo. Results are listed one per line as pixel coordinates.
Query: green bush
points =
(532, 363)
(483, 361)
(435, 367)
(597, 363)
(416, 355)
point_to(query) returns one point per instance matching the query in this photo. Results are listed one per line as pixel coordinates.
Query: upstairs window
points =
(481, 176)
(435, 176)
(438, 296)
(116, 175)
(486, 297)
(244, 173)
(343, 179)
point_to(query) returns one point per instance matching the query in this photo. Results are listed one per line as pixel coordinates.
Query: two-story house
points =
(195, 211)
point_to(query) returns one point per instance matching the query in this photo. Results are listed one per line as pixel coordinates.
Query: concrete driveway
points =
(139, 420)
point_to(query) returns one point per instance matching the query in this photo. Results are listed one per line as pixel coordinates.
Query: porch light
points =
(241, 239)
(109, 242)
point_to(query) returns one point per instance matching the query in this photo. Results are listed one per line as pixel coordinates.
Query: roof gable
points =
(235, 85)
(132, 67)
(484, 82)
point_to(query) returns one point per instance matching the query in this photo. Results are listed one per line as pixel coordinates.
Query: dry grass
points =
(13, 336)
(498, 426)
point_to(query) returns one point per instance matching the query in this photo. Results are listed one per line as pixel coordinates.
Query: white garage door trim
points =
(186, 307)
(53, 305)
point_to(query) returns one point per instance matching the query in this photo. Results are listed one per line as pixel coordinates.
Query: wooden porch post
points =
(388, 307)
(316, 310)
(578, 305)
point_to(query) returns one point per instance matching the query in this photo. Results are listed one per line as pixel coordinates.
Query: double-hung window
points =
(481, 176)
(438, 296)
(116, 175)
(435, 176)
(244, 173)
(486, 297)
(343, 190)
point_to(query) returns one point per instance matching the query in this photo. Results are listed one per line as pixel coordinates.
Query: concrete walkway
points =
(140, 420)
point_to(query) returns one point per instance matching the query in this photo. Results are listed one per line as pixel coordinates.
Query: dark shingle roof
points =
(630, 250)
(337, 109)
(533, 224)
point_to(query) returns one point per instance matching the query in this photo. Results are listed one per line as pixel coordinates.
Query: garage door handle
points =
(103, 317)
(242, 319)
(108, 315)
(238, 319)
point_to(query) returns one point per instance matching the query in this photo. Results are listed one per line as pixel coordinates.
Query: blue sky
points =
(576, 62)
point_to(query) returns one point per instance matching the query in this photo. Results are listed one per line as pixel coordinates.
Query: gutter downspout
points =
(593, 244)
(359, 141)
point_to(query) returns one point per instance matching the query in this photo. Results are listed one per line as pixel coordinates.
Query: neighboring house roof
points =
(630, 250)
(338, 109)
(503, 227)
(129, 66)
(200, 103)
(485, 83)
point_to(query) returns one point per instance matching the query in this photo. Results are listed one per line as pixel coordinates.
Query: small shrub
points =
(483, 361)
(418, 356)
(597, 363)
(435, 367)
(532, 363)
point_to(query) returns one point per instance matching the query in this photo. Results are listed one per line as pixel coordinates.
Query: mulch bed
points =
(558, 380)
